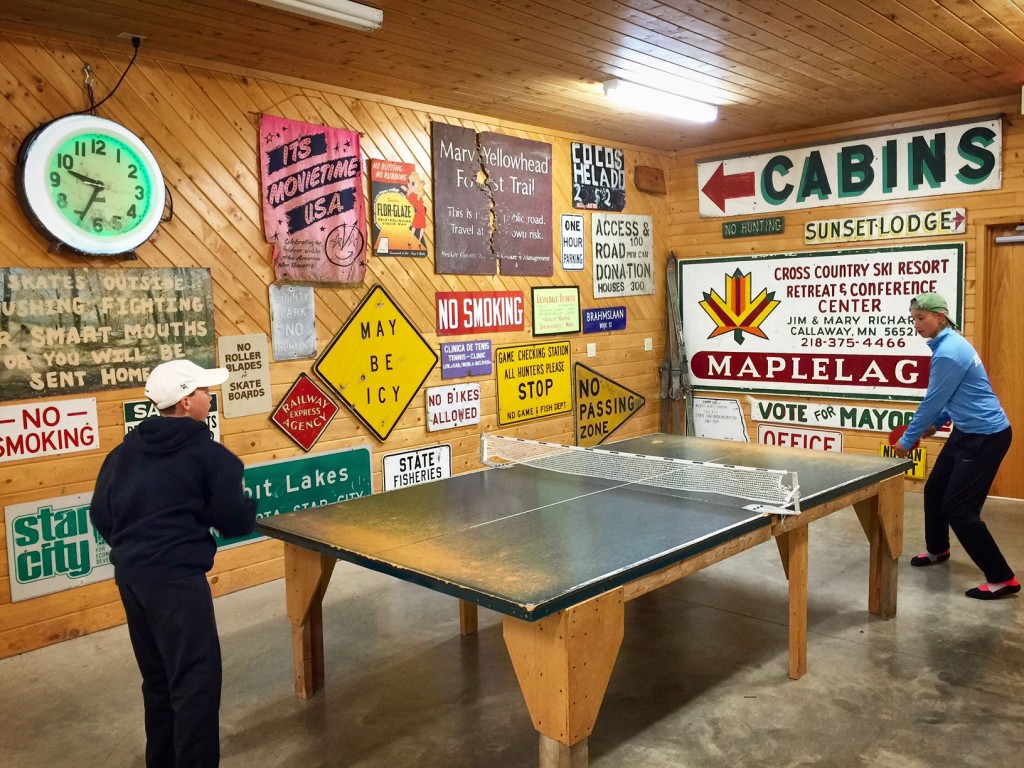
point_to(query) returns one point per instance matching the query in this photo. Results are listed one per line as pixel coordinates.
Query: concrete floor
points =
(700, 681)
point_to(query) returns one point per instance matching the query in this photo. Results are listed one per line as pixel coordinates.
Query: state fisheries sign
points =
(949, 159)
(829, 323)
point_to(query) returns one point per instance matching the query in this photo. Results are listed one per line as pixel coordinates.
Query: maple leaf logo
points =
(738, 312)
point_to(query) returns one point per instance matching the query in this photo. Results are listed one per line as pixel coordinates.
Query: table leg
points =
(881, 517)
(467, 617)
(563, 663)
(793, 549)
(306, 576)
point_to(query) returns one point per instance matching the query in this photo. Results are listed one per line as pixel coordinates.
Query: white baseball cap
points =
(171, 381)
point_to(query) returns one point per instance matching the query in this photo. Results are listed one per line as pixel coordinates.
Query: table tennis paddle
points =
(897, 433)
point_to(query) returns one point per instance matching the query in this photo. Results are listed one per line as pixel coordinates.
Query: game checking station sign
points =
(534, 381)
(377, 362)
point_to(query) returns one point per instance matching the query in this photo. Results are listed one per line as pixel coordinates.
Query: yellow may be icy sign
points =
(377, 362)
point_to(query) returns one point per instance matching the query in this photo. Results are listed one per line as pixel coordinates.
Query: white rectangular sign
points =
(825, 323)
(247, 390)
(33, 430)
(623, 254)
(422, 465)
(720, 418)
(52, 546)
(798, 437)
(573, 251)
(958, 158)
(453, 406)
(836, 415)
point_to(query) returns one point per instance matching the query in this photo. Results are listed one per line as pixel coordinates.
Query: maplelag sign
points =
(823, 323)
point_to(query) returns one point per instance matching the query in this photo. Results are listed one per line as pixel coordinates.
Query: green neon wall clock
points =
(91, 184)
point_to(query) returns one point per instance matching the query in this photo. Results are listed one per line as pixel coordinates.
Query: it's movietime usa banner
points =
(825, 323)
(313, 210)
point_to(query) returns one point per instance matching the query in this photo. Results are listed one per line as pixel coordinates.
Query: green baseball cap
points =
(932, 302)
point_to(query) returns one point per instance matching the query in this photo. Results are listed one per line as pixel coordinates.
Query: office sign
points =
(534, 381)
(951, 159)
(798, 437)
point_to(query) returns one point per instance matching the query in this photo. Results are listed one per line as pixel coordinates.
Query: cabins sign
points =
(919, 162)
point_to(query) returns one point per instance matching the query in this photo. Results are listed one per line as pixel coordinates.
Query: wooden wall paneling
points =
(693, 236)
(202, 125)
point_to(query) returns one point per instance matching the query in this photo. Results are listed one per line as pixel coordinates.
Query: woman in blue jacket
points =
(959, 391)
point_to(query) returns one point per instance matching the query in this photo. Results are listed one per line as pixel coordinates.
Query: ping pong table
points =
(559, 555)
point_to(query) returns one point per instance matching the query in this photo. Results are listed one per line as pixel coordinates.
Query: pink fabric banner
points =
(313, 211)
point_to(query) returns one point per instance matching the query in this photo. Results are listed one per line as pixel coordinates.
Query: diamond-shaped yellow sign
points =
(377, 362)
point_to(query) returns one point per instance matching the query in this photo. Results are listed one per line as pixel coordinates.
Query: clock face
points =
(92, 184)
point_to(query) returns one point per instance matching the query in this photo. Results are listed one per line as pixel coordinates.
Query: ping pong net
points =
(774, 491)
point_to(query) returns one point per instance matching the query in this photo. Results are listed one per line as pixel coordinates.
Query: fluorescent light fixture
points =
(645, 99)
(1006, 239)
(343, 12)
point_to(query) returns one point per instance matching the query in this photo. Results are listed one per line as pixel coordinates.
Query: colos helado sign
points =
(954, 158)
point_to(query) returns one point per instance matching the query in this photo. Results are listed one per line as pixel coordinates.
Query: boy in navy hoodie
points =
(157, 495)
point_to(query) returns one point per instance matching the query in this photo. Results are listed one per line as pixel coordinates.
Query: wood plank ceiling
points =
(771, 66)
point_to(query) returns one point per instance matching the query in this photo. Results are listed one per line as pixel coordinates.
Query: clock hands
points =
(87, 180)
(97, 187)
(92, 199)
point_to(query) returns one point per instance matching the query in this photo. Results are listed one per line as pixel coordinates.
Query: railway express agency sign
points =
(534, 381)
(830, 323)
